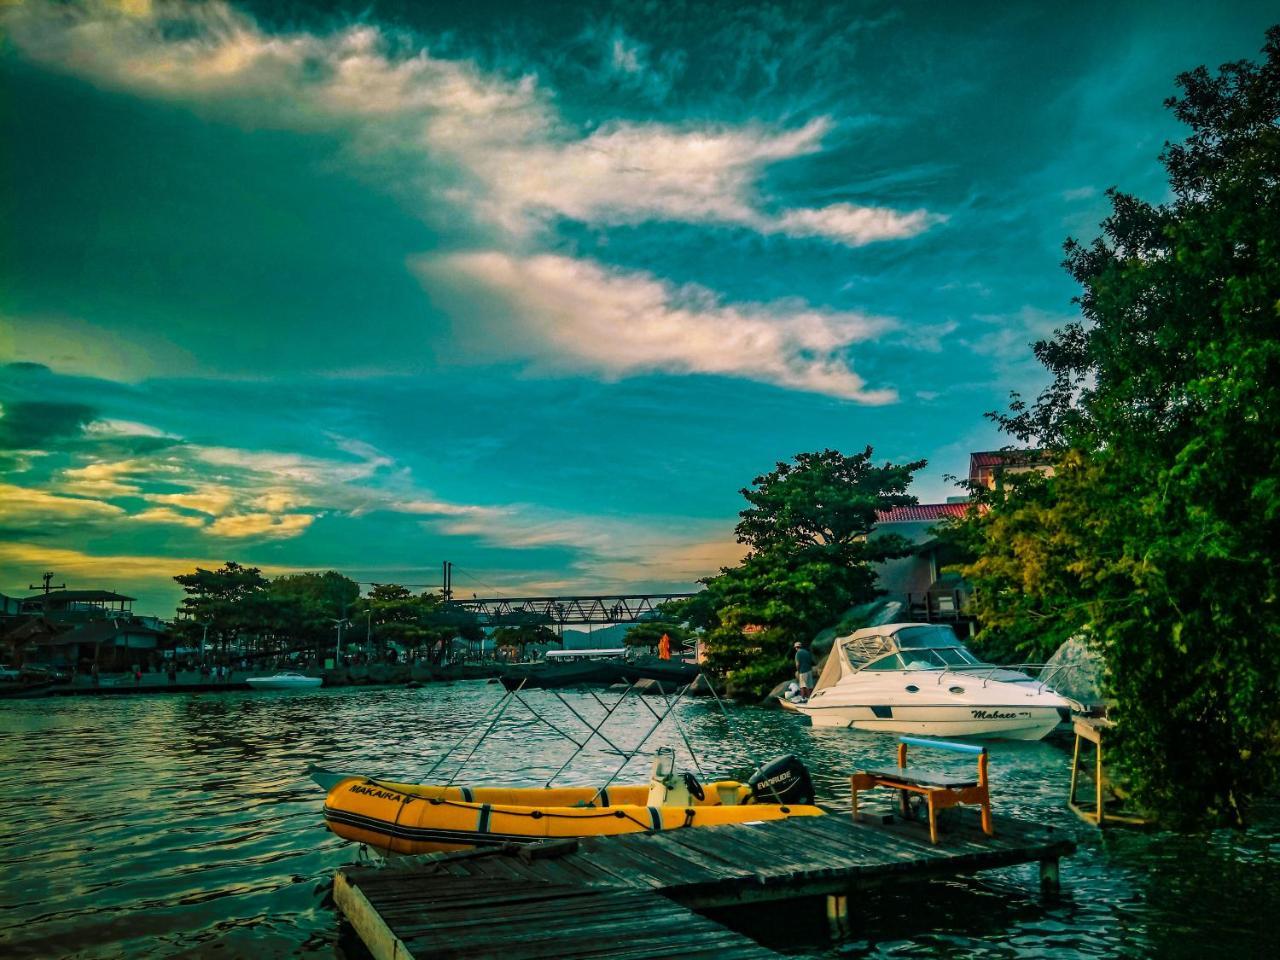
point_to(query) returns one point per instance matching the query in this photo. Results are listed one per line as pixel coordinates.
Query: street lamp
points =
(205, 635)
(339, 623)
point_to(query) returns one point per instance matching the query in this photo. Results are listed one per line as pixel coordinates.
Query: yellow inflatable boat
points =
(419, 818)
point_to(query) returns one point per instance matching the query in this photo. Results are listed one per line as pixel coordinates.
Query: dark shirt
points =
(804, 660)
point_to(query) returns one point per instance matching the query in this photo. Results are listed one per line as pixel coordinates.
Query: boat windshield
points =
(923, 637)
(941, 658)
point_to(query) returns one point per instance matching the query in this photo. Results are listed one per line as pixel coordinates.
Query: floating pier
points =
(637, 895)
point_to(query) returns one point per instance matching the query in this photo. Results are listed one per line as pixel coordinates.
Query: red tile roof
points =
(991, 458)
(922, 511)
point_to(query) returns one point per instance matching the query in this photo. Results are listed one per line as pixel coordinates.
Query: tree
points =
(518, 637)
(228, 600)
(394, 614)
(1156, 535)
(808, 527)
(306, 606)
(648, 634)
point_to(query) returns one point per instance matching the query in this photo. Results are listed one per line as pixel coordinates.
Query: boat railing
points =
(1046, 671)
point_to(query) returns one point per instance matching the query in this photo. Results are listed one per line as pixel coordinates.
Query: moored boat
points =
(284, 681)
(423, 818)
(917, 678)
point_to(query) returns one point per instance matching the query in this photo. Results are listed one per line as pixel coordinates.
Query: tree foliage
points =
(1156, 535)
(519, 637)
(648, 633)
(228, 601)
(810, 559)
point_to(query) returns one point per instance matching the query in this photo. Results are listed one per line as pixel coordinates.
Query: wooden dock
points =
(637, 895)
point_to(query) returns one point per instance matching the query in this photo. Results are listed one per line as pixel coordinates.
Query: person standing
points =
(804, 669)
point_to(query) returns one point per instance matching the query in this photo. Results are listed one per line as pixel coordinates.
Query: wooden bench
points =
(938, 790)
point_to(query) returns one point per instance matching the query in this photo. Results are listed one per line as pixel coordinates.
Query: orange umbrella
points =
(664, 647)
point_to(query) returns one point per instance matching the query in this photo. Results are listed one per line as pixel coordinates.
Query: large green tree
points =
(810, 558)
(1156, 536)
(222, 604)
(305, 607)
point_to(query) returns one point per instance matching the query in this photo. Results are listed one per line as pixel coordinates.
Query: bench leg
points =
(933, 818)
(838, 915)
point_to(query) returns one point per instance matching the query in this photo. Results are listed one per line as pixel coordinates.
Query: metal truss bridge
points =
(562, 611)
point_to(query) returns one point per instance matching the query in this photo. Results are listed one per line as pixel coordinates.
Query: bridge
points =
(563, 611)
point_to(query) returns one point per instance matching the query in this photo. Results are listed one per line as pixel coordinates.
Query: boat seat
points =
(917, 777)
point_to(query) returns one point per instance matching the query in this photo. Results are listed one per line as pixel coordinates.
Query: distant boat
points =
(284, 681)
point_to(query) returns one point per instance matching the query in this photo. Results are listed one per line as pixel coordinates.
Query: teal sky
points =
(535, 288)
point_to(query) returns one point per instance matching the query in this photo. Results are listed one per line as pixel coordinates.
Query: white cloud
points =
(856, 225)
(581, 314)
(167, 515)
(516, 160)
(207, 498)
(261, 526)
(110, 428)
(27, 505)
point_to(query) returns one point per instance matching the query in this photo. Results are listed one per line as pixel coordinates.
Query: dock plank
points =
(634, 897)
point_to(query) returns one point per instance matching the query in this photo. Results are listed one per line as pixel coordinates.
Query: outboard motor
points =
(782, 780)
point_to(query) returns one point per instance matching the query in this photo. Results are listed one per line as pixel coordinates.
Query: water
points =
(166, 826)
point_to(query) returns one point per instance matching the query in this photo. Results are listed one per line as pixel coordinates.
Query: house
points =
(114, 644)
(78, 606)
(988, 468)
(919, 581)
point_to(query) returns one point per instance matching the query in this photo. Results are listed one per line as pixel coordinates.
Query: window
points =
(891, 662)
(917, 637)
(923, 659)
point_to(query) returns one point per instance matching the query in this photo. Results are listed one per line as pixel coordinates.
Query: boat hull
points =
(550, 675)
(271, 683)
(414, 819)
(1020, 722)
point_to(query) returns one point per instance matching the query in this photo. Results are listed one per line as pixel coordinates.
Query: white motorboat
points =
(284, 681)
(918, 678)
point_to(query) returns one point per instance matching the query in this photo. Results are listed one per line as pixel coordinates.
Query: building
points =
(919, 581)
(78, 606)
(76, 628)
(988, 468)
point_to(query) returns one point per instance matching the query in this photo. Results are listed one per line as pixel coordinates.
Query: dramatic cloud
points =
(580, 314)
(26, 425)
(23, 506)
(515, 162)
(261, 526)
(166, 515)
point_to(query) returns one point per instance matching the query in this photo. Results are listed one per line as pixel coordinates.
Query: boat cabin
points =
(897, 646)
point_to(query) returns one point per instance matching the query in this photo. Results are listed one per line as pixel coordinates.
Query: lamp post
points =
(204, 636)
(337, 657)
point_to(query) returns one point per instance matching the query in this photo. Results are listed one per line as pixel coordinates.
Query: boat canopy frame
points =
(595, 730)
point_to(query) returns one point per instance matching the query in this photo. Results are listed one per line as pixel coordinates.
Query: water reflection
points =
(165, 826)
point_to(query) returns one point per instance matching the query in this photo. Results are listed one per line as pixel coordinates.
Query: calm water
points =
(169, 826)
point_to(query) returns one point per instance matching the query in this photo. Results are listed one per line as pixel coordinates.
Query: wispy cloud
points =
(25, 506)
(261, 526)
(581, 314)
(516, 160)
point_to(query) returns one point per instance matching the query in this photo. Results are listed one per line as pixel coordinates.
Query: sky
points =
(535, 288)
